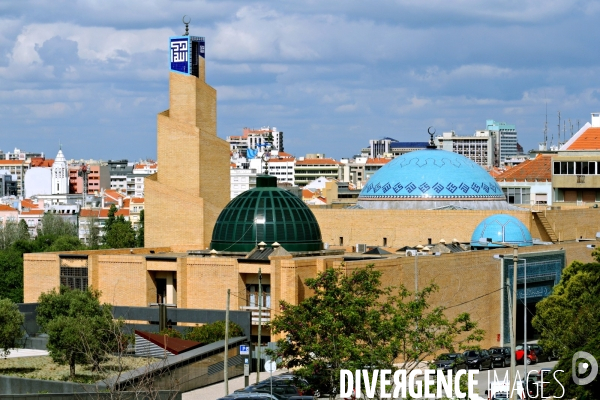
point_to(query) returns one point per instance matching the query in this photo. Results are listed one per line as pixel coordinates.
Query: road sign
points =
(270, 366)
(244, 349)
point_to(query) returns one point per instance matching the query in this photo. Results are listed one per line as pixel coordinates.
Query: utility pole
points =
(513, 333)
(259, 325)
(226, 359)
(526, 348)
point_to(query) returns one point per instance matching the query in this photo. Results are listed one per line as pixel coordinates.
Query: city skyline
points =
(331, 76)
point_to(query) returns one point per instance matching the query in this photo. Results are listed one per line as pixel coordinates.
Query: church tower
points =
(60, 174)
(185, 197)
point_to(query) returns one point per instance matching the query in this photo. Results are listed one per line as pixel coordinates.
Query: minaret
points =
(60, 176)
(185, 197)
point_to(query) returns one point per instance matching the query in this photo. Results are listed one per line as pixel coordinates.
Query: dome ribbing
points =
(266, 213)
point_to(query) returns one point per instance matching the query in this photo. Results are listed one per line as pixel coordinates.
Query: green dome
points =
(266, 214)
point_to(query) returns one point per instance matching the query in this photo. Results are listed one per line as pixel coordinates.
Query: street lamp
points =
(513, 333)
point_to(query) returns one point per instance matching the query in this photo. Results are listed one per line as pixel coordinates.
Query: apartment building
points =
(506, 140)
(17, 169)
(255, 138)
(309, 169)
(481, 147)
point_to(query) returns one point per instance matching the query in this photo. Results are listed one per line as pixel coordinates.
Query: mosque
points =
(199, 244)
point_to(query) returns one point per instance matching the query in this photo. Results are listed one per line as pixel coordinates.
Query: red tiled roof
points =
(143, 166)
(4, 207)
(173, 345)
(126, 203)
(102, 213)
(113, 194)
(306, 193)
(378, 160)
(11, 162)
(32, 212)
(87, 213)
(137, 200)
(588, 140)
(538, 168)
(317, 161)
(40, 162)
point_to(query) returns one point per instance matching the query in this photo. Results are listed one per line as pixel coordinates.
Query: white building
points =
(60, 174)
(241, 180)
(38, 180)
(255, 139)
(481, 148)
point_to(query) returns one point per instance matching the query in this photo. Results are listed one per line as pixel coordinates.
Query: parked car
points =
(248, 396)
(450, 361)
(479, 359)
(531, 357)
(290, 379)
(541, 354)
(281, 390)
(500, 356)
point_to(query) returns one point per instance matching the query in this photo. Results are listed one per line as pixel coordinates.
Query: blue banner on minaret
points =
(180, 54)
(184, 52)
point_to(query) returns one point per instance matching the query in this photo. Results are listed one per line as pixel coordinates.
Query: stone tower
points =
(185, 197)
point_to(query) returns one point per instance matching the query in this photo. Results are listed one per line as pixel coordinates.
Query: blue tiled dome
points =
(438, 177)
(501, 228)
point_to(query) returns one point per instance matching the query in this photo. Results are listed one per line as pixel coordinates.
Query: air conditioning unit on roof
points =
(361, 247)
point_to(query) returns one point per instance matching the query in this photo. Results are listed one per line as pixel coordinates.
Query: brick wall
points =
(402, 227)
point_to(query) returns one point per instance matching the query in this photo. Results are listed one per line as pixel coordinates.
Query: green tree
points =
(350, 322)
(93, 234)
(213, 332)
(118, 233)
(139, 238)
(569, 321)
(10, 232)
(11, 322)
(11, 274)
(55, 225)
(80, 328)
(66, 243)
(23, 231)
(112, 211)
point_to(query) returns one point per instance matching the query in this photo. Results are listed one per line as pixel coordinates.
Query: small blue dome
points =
(432, 174)
(501, 228)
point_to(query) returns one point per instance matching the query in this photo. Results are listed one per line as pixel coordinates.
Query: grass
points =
(44, 368)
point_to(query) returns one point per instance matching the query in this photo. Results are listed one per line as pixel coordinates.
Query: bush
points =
(11, 321)
(214, 332)
(170, 332)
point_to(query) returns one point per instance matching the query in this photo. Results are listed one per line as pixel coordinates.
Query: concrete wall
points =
(10, 385)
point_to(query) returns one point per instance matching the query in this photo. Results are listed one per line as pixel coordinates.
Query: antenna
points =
(546, 126)
(559, 128)
(571, 126)
(564, 131)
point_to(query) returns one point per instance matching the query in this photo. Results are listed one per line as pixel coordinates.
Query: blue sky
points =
(330, 74)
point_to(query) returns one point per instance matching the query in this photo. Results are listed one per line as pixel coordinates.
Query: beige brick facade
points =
(184, 199)
(202, 282)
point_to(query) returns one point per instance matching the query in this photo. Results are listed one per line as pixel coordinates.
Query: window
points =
(75, 278)
(341, 240)
(384, 242)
